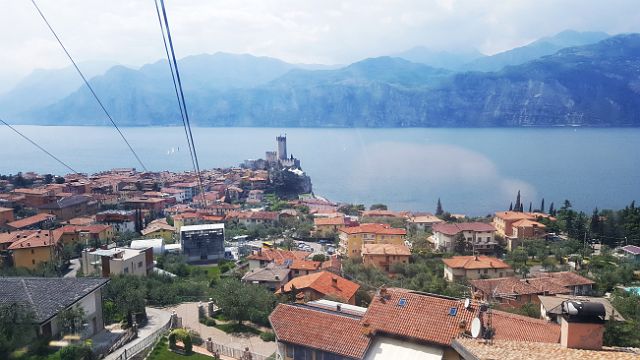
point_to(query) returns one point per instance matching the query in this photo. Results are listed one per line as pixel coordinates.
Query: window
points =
(486, 271)
(140, 264)
(32, 251)
(126, 270)
(33, 261)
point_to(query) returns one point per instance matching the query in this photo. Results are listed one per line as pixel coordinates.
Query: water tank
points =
(584, 310)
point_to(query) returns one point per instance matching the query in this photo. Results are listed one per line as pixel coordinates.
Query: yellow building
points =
(352, 238)
(35, 249)
(159, 229)
(327, 226)
(87, 234)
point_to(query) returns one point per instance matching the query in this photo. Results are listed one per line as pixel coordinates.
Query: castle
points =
(275, 159)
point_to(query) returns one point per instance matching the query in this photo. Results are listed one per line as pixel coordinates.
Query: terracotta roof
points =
(4, 209)
(475, 262)
(67, 202)
(566, 278)
(277, 255)
(157, 226)
(424, 317)
(515, 215)
(325, 283)
(427, 219)
(504, 286)
(454, 228)
(319, 329)
(337, 220)
(14, 236)
(523, 328)
(30, 221)
(385, 249)
(36, 239)
(548, 285)
(305, 265)
(36, 191)
(528, 223)
(516, 350)
(381, 213)
(380, 229)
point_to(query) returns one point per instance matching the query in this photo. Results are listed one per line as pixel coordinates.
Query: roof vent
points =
(453, 311)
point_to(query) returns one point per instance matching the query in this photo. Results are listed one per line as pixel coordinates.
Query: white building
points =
(480, 235)
(156, 244)
(117, 261)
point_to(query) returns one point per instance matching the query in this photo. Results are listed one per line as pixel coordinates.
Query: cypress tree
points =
(518, 204)
(542, 206)
(530, 206)
(552, 211)
(511, 206)
(439, 210)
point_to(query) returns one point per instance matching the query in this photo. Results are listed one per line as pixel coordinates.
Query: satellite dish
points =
(476, 328)
(467, 303)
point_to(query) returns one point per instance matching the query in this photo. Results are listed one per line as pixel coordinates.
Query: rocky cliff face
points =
(592, 85)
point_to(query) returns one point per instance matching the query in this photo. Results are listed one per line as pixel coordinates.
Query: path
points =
(157, 318)
(189, 314)
(74, 266)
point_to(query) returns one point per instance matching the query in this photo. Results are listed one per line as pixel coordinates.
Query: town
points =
(248, 262)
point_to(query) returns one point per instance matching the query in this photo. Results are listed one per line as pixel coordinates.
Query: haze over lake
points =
(473, 171)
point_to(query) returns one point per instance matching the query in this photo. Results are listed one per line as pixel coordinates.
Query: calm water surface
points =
(473, 171)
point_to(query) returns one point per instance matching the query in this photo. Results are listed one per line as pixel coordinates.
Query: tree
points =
(552, 210)
(439, 210)
(318, 257)
(378, 207)
(48, 179)
(240, 302)
(16, 327)
(71, 320)
(461, 245)
(59, 180)
(127, 293)
(518, 204)
(511, 206)
(530, 206)
(542, 206)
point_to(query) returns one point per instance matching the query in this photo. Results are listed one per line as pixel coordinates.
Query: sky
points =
(308, 31)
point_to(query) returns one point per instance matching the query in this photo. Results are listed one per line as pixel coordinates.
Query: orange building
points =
(322, 284)
(519, 224)
(352, 238)
(35, 249)
(36, 197)
(325, 226)
(6, 216)
(384, 256)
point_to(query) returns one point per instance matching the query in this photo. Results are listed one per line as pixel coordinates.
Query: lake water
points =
(473, 171)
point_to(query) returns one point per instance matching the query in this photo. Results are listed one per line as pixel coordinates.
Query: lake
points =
(473, 171)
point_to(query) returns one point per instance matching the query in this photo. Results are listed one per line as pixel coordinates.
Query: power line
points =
(175, 86)
(40, 147)
(88, 85)
(184, 104)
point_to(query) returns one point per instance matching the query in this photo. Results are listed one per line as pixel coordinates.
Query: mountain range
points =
(571, 79)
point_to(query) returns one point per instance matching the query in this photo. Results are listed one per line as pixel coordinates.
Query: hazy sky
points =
(327, 31)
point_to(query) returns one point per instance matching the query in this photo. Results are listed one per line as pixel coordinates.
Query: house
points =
(480, 235)
(91, 234)
(156, 244)
(255, 196)
(179, 194)
(202, 243)
(121, 220)
(303, 267)
(398, 324)
(513, 291)
(190, 189)
(551, 307)
(37, 248)
(631, 252)
(6, 216)
(262, 257)
(70, 207)
(577, 284)
(322, 284)
(34, 198)
(327, 226)
(458, 268)
(424, 222)
(159, 229)
(117, 261)
(48, 297)
(352, 238)
(252, 218)
(32, 222)
(384, 256)
(271, 277)
(519, 225)
(154, 205)
(8, 238)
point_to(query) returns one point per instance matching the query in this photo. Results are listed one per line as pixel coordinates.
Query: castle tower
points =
(282, 147)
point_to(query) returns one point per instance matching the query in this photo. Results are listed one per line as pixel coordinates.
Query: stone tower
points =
(282, 147)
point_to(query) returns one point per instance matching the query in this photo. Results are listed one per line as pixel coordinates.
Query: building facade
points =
(352, 238)
(203, 243)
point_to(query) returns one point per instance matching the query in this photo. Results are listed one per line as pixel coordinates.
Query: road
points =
(74, 266)
(157, 318)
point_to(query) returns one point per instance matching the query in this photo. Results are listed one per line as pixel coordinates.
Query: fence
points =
(231, 351)
(145, 343)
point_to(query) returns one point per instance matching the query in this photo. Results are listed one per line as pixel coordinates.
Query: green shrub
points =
(207, 321)
(268, 336)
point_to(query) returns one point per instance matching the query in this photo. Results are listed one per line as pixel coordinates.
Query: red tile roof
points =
(513, 286)
(385, 249)
(36, 239)
(277, 255)
(305, 265)
(523, 328)
(380, 229)
(338, 220)
(566, 278)
(475, 262)
(319, 329)
(325, 283)
(31, 221)
(8, 238)
(454, 228)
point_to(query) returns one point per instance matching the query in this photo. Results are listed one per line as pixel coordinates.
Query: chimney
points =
(582, 325)
(334, 281)
(338, 307)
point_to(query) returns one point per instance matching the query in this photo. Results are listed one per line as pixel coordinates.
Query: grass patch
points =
(238, 328)
(161, 352)
(220, 316)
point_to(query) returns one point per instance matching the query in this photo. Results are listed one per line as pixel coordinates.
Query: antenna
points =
(476, 328)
